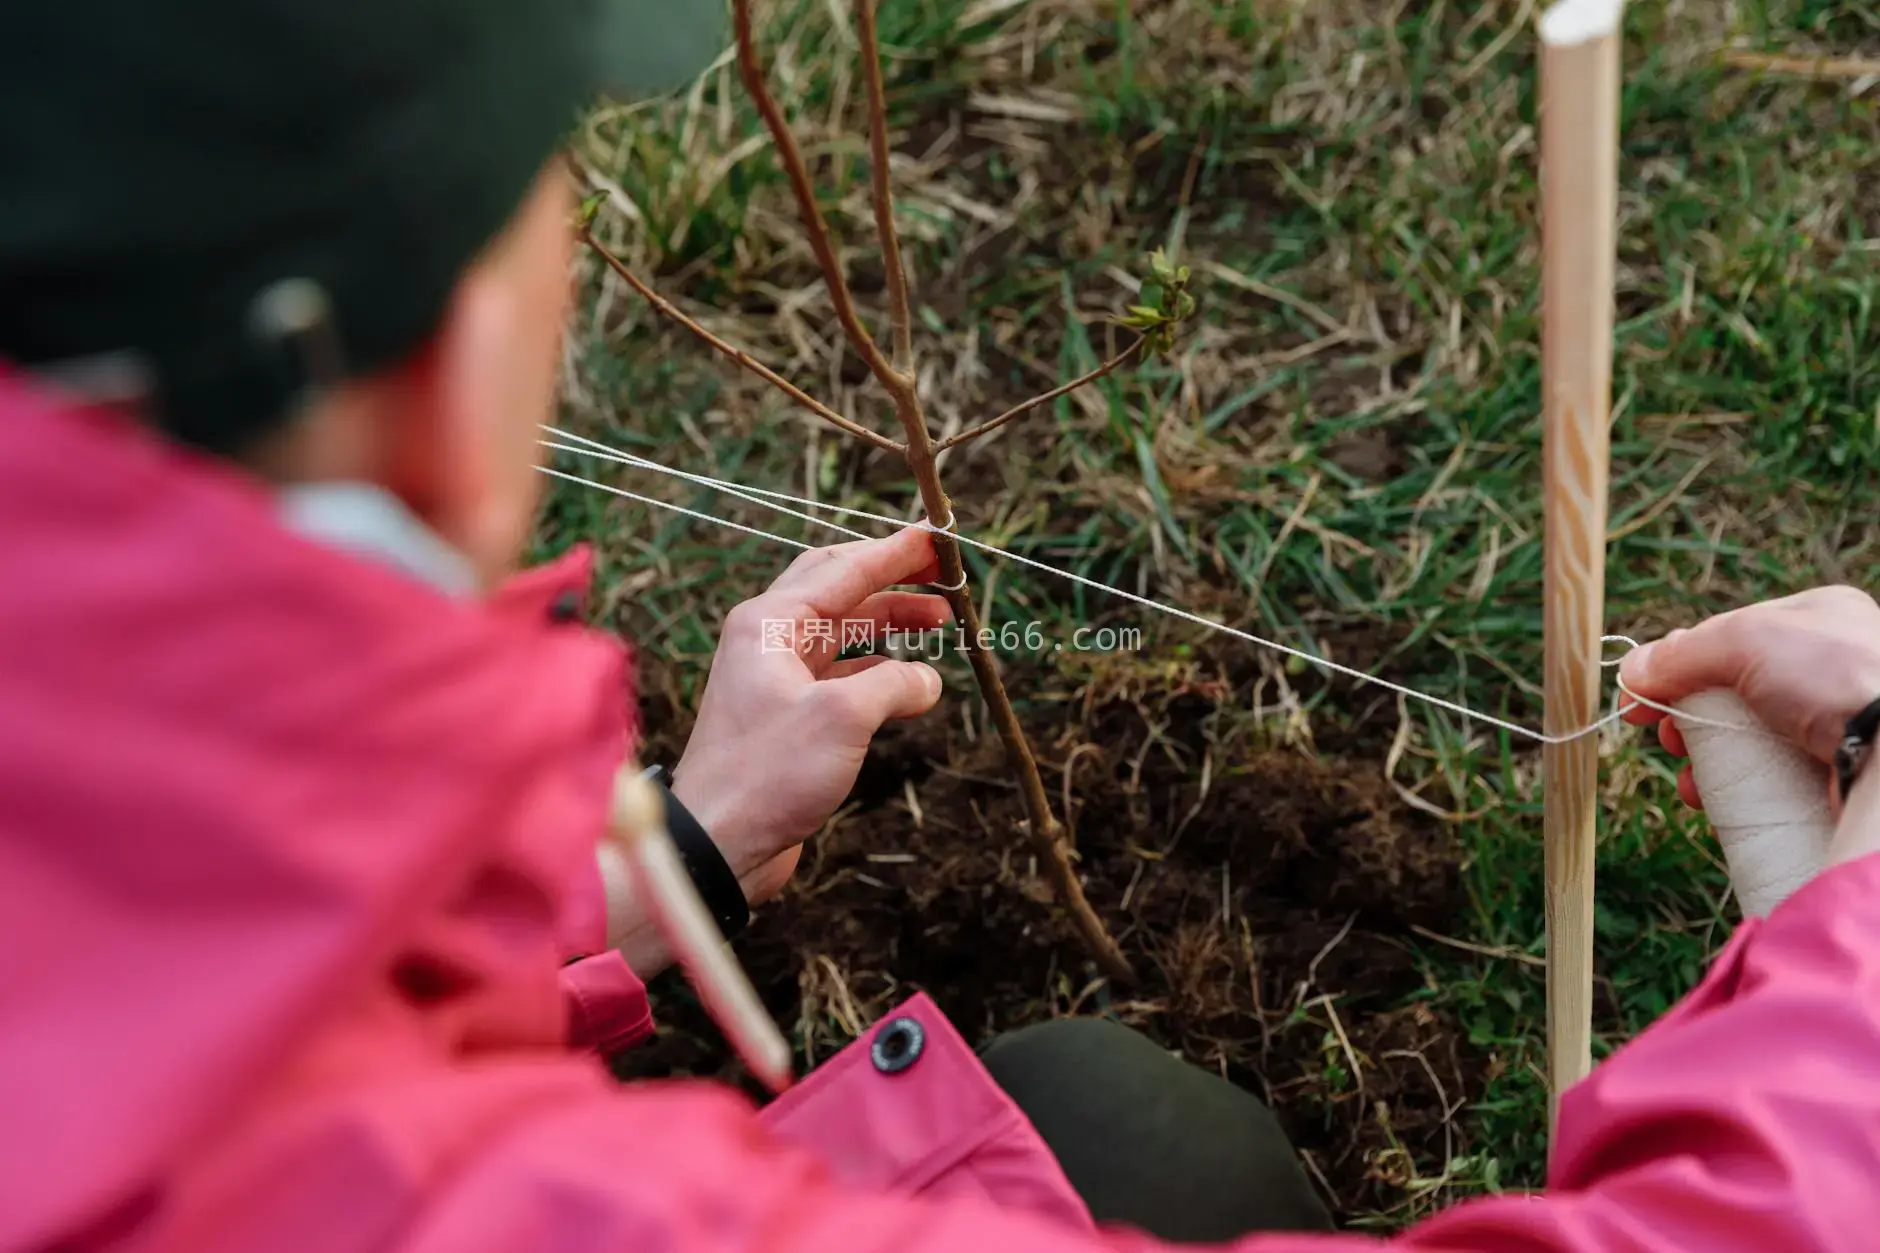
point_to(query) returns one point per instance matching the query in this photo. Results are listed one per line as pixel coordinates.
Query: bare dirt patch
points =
(1267, 914)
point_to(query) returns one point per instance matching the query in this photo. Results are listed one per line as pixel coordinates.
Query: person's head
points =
(452, 427)
(329, 241)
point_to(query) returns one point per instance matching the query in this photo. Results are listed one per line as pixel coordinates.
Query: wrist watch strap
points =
(1857, 747)
(717, 885)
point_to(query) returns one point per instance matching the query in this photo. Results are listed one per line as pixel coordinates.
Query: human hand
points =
(781, 734)
(1804, 665)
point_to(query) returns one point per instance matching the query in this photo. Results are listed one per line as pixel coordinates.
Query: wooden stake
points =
(1579, 219)
(638, 828)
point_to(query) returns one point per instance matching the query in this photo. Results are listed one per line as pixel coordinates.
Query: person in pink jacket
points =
(307, 945)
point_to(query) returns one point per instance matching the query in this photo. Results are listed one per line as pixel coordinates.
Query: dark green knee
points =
(1148, 1140)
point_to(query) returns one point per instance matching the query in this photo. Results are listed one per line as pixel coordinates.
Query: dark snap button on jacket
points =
(897, 1046)
(566, 608)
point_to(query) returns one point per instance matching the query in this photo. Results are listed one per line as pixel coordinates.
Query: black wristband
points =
(1857, 747)
(711, 874)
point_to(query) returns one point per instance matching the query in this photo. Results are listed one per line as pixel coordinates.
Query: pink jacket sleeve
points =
(1746, 1121)
(608, 1009)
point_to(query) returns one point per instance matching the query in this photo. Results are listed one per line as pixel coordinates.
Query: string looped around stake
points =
(582, 446)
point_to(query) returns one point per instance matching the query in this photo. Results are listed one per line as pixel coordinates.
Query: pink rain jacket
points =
(292, 852)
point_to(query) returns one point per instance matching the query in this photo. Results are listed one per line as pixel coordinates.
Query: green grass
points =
(1382, 174)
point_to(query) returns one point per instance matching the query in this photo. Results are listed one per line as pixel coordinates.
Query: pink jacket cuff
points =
(607, 1005)
(923, 1118)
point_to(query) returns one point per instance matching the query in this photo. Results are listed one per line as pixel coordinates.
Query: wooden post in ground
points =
(1579, 128)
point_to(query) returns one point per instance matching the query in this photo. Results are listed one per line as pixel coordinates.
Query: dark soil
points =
(1266, 915)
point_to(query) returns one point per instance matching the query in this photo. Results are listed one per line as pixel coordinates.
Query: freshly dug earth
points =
(1267, 913)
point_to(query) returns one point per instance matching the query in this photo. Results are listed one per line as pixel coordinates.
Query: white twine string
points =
(661, 504)
(1690, 719)
(582, 446)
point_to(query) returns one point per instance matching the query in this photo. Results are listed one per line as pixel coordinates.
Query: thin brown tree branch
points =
(665, 308)
(1020, 410)
(1803, 67)
(1042, 830)
(751, 70)
(882, 181)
